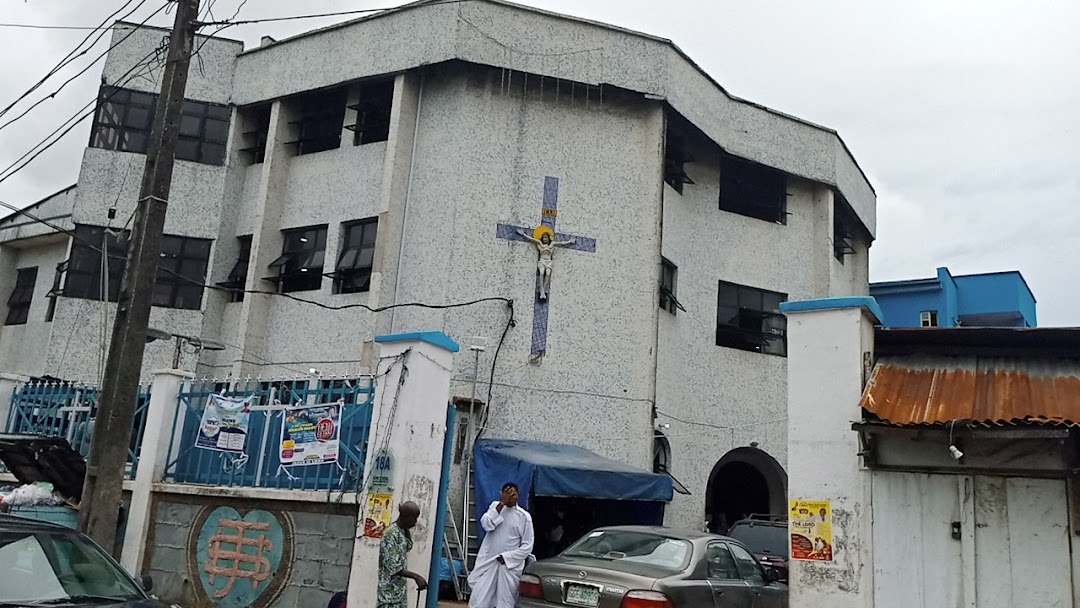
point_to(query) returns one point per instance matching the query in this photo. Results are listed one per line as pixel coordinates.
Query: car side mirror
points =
(147, 583)
(772, 575)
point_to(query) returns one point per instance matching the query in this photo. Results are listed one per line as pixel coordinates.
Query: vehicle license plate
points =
(582, 595)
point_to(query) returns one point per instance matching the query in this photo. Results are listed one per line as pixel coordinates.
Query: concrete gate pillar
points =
(408, 424)
(830, 347)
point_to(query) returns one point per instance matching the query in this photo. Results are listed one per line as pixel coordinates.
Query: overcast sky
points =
(965, 114)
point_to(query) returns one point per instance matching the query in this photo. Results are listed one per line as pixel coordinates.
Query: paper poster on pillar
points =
(810, 525)
(379, 513)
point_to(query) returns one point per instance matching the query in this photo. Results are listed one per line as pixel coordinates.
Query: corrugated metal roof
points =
(988, 391)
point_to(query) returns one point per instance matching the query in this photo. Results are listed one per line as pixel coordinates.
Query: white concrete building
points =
(394, 158)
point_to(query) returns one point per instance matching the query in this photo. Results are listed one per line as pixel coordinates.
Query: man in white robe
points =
(508, 543)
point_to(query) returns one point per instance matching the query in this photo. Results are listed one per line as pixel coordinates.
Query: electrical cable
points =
(325, 15)
(34, 152)
(76, 76)
(71, 56)
(34, 26)
(12, 169)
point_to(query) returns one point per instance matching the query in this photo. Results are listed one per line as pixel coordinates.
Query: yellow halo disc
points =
(541, 230)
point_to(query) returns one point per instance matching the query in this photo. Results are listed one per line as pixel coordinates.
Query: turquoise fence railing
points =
(259, 464)
(64, 409)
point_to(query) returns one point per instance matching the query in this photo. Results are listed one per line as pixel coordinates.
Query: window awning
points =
(563, 471)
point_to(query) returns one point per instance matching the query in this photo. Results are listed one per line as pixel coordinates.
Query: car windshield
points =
(762, 538)
(51, 567)
(633, 547)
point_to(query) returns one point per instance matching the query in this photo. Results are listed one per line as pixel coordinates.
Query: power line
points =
(70, 80)
(323, 15)
(61, 131)
(34, 26)
(72, 56)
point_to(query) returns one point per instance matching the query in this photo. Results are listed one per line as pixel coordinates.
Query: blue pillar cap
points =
(436, 338)
(867, 303)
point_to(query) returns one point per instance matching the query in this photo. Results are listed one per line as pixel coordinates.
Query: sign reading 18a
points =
(384, 471)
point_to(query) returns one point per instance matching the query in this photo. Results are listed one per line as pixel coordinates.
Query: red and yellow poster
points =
(378, 514)
(810, 525)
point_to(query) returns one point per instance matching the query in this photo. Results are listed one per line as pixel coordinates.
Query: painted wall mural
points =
(240, 560)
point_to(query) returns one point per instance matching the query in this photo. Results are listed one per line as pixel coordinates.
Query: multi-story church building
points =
(456, 155)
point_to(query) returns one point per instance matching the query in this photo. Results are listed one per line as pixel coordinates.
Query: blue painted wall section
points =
(999, 299)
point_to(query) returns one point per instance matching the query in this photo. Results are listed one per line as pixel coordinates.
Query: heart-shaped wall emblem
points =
(240, 560)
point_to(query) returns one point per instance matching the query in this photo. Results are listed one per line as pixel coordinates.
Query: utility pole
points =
(100, 506)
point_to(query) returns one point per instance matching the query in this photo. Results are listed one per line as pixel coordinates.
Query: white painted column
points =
(8, 384)
(829, 341)
(409, 421)
(160, 414)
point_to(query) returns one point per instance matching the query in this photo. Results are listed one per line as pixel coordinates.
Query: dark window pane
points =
(301, 264)
(749, 319)
(213, 154)
(187, 149)
(217, 131)
(219, 113)
(190, 126)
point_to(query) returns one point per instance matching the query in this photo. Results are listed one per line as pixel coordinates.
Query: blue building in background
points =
(996, 299)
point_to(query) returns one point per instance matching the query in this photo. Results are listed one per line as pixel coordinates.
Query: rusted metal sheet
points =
(977, 390)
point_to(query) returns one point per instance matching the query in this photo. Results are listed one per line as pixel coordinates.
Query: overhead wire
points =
(73, 55)
(77, 118)
(324, 15)
(65, 127)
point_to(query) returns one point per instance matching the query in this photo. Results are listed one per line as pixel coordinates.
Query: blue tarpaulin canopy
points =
(559, 470)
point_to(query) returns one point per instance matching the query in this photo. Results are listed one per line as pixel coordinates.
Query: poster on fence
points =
(810, 525)
(378, 515)
(224, 424)
(311, 435)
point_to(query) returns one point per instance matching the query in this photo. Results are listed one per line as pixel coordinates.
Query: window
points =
(300, 264)
(752, 190)
(322, 118)
(661, 453)
(630, 550)
(675, 159)
(237, 279)
(844, 227)
(669, 274)
(719, 563)
(204, 129)
(750, 319)
(256, 133)
(123, 119)
(353, 271)
(84, 265)
(928, 318)
(21, 295)
(181, 272)
(373, 112)
(749, 569)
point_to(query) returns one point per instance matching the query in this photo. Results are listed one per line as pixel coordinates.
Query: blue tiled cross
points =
(548, 213)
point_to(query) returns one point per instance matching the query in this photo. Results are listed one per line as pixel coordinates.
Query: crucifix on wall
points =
(546, 240)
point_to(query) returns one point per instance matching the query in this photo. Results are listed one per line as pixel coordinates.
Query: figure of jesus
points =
(546, 248)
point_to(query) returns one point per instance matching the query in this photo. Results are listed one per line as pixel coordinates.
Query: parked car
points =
(652, 567)
(47, 564)
(767, 536)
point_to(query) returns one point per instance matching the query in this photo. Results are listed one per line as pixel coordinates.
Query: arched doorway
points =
(746, 481)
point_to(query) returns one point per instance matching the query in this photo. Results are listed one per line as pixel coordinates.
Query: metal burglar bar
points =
(64, 409)
(260, 464)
